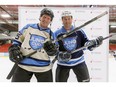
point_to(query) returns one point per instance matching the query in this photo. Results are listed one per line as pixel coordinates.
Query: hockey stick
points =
(60, 38)
(76, 29)
(16, 65)
(12, 71)
(82, 48)
(86, 23)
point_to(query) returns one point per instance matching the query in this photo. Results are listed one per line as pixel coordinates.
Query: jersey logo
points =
(70, 43)
(36, 42)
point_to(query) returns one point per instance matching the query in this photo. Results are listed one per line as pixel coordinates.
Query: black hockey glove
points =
(15, 54)
(50, 48)
(92, 44)
(64, 56)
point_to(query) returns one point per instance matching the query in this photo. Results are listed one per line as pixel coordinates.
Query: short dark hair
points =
(47, 12)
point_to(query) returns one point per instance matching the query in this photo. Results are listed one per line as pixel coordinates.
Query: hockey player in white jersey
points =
(30, 38)
(75, 61)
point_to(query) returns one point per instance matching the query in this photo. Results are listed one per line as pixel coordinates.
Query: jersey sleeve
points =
(20, 36)
(83, 36)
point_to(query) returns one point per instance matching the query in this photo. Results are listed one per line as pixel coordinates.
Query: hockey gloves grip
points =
(15, 54)
(64, 56)
(92, 44)
(50, 48)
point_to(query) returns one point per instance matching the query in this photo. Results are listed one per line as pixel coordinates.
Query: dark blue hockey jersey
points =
(71, 43)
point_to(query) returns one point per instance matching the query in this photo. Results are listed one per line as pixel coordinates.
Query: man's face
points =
(45, 21)
(67, 21)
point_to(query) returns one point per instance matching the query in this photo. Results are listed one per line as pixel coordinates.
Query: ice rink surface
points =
(112, 69)
(6, 65)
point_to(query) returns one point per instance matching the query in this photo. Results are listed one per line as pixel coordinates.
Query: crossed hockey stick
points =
(58, 39)
(82, 48)
(77, 28)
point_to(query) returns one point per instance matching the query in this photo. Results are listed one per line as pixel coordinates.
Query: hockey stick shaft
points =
(16, 65)
(86, 23)
(12, 71)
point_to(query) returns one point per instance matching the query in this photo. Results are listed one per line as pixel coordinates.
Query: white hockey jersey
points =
(31, 38)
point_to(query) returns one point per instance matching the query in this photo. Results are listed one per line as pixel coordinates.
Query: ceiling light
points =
(113, 26)
(5, 15)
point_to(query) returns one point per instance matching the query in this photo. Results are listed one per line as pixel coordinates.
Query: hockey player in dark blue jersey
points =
(68, 60)
(32, 38)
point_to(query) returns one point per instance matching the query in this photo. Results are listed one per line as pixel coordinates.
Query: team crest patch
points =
(70, 43)
(36, 41)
